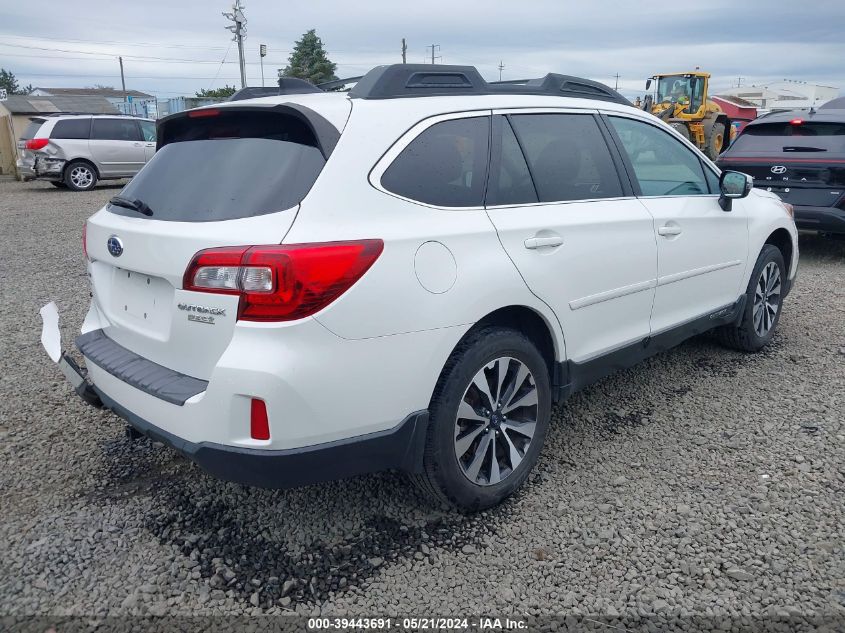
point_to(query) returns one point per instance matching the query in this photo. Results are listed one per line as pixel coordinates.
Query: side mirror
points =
(733, 184)
(647, 84)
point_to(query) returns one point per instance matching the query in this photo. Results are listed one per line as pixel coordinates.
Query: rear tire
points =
(80, 176)
(763, 303)
(714, 143)
(475, 456)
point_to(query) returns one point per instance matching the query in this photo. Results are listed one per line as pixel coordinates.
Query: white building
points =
(785, 95)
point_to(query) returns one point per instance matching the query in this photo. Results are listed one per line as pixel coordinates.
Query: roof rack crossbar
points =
(417, 80)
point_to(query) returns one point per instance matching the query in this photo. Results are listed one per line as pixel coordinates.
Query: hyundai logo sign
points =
(115, 246)
(778, 169)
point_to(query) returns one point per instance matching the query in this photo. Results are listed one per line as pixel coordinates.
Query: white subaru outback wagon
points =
(409, 275)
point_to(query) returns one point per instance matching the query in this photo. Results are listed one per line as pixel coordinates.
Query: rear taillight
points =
(282, 282)
(259, 425)
(36, 143)
(85, 240)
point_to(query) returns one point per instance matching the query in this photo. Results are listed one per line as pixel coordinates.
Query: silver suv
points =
(75, 151)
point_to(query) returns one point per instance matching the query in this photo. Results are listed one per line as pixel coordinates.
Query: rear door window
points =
(71, 128)
(568, 156)
(233, 165)
(445, 166)
(510, 178)
(115, 130)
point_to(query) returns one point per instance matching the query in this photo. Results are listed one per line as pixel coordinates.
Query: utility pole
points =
(501, 68)
(262, 51)
(404, 51)
(616, 87)
(239, 29)
(433, 48)
(739, 82)
(122, 80)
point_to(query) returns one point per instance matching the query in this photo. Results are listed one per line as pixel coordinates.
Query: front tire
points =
(763, 303)
(80, 176)
(714, 143)
(488, 420)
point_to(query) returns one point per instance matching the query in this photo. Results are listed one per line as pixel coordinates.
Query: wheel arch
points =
(782, 240)
(529, 322)
(81, 160)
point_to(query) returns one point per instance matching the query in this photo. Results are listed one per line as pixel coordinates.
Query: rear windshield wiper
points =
(799, 148)
(135, 205)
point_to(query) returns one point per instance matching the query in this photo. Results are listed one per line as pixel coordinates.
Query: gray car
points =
(75, 151)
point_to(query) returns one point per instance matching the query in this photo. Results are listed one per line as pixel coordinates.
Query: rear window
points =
(71, 128)
(229, 166)
(810, 136)
(32, 129)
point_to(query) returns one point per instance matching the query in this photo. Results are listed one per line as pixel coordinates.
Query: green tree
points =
(218, 93)
(309, 61)
(10, 83)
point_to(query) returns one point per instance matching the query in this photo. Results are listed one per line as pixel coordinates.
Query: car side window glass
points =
(148, 130)
(445, 166)
(568, 156)
(662, 165)
(71, 129)
(510, 182)
(115, 130)
(712, 180)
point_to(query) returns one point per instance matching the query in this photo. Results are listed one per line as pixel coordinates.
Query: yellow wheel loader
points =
(681, 100)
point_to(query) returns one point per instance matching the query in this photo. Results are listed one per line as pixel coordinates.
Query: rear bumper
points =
(828, 219)
(400, 448)
(324, 434)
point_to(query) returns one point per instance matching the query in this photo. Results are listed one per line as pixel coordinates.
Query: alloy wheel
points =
(81, 176)
(766, 299)
(496, 421)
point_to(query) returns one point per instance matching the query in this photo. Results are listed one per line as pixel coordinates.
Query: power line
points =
(120, 42)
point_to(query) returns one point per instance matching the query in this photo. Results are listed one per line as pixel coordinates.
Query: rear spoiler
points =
(327, 135)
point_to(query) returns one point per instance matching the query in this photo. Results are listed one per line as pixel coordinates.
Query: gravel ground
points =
(703, 482)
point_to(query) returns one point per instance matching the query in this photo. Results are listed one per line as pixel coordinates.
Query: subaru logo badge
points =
(115, 246)
(778, 169)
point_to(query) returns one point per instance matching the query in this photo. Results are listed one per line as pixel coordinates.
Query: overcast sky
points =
(175, 47)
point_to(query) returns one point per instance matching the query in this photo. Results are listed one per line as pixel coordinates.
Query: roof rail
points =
(428, 80)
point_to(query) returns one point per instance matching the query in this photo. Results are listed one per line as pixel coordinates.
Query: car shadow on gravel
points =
(236, 536)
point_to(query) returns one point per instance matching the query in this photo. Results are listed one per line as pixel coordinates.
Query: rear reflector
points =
(259, 425)
(36, 143)
(203, 112)
(281, 282)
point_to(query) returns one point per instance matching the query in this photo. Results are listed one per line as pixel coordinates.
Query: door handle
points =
(543, 242)
(151, 144)
(668, 230)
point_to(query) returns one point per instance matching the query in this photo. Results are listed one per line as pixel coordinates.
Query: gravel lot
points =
(702, 482)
